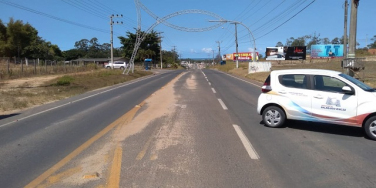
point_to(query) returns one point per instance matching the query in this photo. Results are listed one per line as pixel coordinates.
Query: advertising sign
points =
(326, 51)
(244, 56)
(275, 53)
(254, 67)
(229, 57)
(296, 53)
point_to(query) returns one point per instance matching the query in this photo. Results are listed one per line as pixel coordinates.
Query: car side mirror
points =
(347, 90)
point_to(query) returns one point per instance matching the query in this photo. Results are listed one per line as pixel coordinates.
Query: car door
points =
(295, 96)
(330, 104)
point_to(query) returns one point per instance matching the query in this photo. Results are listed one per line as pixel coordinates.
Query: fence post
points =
(35, 67)
(21, 67)
(45, 64)
(8, 66)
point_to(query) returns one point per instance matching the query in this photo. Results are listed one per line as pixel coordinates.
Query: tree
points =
(3, 37)
(15, 37)
(289, 41)
(372, 45)
(326, 40)
(279, 44)
(151, 43)
(300, 41)
(82, 46)
(336, 41)
(72, 54)
(169, 57)
(315, 39)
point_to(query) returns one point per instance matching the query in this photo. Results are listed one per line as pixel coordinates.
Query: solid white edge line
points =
(105, 91)
(246, 143)
(214, 90)
(222, 104)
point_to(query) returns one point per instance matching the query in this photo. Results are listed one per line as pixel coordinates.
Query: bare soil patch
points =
(22, 93)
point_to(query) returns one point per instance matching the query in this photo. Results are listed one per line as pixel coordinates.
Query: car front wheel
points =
(122, 68)
(273, 116)
(370, 128)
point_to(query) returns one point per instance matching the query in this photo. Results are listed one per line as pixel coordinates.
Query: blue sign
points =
(327, 51)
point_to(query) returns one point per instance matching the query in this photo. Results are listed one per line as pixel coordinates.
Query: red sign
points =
(244, 56)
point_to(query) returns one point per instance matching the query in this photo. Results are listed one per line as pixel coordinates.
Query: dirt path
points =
(26, 82)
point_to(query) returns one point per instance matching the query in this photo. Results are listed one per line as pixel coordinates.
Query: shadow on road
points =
(8, 116)
(324, 128)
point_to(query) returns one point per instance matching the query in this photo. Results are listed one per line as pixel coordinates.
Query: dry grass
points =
(368, 75)
(28, 95)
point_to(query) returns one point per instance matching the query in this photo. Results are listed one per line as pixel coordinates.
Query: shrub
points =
(64, 81)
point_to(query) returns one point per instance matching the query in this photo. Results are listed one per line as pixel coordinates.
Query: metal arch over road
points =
(163, 20)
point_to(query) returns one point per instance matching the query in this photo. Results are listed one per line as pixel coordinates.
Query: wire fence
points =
(12, 68)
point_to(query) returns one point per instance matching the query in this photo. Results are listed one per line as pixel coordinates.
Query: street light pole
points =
(236, 22)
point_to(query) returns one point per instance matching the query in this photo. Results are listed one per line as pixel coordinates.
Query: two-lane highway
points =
(35, 140)
(302, 154)
(192, 128)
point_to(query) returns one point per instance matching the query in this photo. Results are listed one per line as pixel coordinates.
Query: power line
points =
(287, 20)
(253, 13)
(84, 8)
(53, 17)
(275, 19)
(91, 9)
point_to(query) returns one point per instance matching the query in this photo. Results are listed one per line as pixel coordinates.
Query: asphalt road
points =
(200, 129)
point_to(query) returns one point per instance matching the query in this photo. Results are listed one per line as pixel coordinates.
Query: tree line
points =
(18, 39)
(313, 39)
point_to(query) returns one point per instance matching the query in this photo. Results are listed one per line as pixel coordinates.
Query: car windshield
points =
(360, 84)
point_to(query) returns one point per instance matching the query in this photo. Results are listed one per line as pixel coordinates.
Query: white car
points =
(319, 96)
(117, 65)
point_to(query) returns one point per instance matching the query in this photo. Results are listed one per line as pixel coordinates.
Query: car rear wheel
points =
(122, 68)
(108, 67)
(370, 128)
(273, 116)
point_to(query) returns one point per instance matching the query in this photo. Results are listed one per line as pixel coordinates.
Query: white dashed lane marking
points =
(222, 104)
(214, 90)
(247, 144)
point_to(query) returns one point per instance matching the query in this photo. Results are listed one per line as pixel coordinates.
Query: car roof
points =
(307, 71)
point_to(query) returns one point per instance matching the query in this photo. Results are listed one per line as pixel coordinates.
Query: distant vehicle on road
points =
(117, 65)
(320, 96)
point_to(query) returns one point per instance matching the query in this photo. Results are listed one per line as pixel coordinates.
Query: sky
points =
(63, 22)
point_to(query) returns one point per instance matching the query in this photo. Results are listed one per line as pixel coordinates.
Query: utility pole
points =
(352, 36)
(219, 48)
(353, 27)
(213, 56)
(160, 47)
(112, 33)
(345, 32)
(236, 42)
(174, 50)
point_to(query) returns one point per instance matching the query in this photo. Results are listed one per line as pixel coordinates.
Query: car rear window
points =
(293, 80)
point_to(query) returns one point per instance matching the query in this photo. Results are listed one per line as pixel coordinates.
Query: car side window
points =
(327, 83)
(294, 80)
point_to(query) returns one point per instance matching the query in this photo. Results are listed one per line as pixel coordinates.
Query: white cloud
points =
(193, 51)
(207, 50)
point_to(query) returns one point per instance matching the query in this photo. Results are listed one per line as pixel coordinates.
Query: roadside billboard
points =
(296, 53)
(326, 51)
(275, 53)
(244, 56)
(229, 57)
